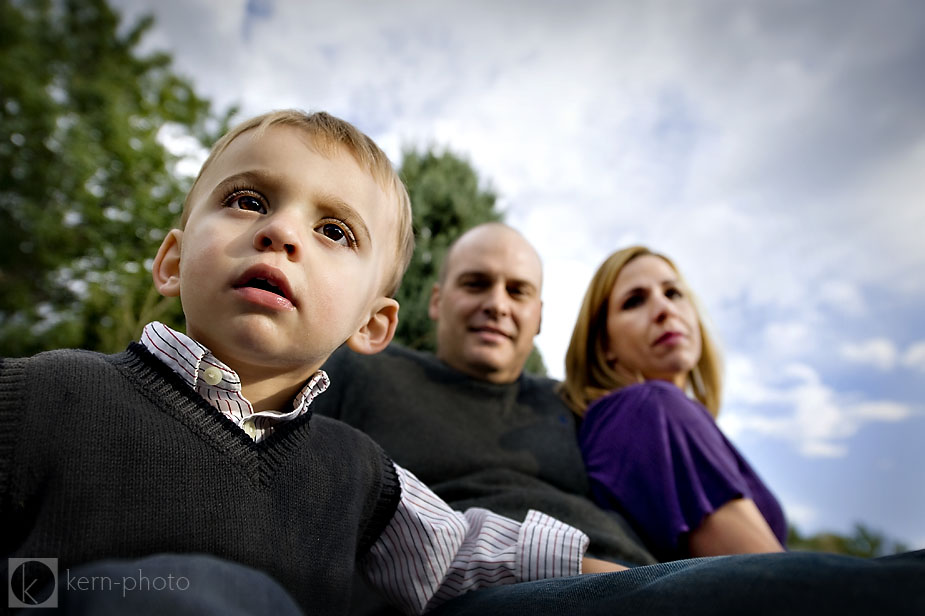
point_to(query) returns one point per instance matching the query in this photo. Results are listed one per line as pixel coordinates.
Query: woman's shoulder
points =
(652, 400)
(647, 392)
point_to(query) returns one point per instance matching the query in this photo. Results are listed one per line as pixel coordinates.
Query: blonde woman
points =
(643, 373)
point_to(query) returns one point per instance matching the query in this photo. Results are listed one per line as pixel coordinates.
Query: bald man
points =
(487, 303)
(468, 422)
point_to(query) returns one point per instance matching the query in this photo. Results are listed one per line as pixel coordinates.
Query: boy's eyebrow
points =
(330, 204)
(336, 207)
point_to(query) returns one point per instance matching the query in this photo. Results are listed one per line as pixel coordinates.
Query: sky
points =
(774, 150)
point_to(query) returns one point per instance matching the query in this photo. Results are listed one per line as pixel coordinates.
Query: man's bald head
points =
(487, 303)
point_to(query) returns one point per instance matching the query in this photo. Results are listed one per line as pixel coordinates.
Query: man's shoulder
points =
(541, 389)
(538, 382)
(393, 357)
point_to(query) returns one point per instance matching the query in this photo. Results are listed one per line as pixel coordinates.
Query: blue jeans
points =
(171, 584)
(810, 583)
(789, 583)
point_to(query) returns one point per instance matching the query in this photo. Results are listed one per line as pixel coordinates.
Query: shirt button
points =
(250, 428)
(212, 375)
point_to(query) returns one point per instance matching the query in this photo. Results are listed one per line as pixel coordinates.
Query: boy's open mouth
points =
(266, 285)
(265, 278)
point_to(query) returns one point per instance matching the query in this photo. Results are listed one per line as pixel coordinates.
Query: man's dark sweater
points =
(508, 448)
(115, 457)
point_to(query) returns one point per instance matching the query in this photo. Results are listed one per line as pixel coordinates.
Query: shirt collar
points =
(208, 375)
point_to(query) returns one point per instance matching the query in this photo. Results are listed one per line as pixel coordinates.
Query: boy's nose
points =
(276, 235)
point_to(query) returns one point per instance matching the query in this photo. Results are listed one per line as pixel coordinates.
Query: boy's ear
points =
(166, 268)
(433, 307)
(376, 334)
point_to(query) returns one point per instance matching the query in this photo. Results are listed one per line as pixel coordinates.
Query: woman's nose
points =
(663, 307)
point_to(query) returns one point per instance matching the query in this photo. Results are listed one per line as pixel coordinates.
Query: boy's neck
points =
(273, 392)
(270, 388)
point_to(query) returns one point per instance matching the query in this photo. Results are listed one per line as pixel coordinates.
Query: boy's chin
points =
(261, 346)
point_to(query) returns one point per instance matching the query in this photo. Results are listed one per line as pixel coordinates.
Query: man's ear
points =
(377, 332)
(539, 325)
(433, 308)
(166, 268)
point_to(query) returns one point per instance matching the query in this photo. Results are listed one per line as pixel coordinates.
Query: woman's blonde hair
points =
(588, 374)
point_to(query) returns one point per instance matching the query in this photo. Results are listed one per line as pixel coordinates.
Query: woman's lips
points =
(668, 338)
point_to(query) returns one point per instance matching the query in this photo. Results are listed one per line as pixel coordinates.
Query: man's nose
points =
(497, 301)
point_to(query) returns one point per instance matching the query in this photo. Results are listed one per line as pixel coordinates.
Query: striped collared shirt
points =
(219, 384)
(428, 553)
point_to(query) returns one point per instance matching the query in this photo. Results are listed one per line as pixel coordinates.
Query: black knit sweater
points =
(506, 447)
(115, 457)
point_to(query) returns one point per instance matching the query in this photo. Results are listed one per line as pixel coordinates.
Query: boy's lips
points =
(265, 285)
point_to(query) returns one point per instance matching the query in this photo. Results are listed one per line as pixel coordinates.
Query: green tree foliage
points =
(446, 200)
(865, 542)
(87, 189)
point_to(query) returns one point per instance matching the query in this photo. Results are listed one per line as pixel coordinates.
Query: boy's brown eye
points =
(246, 201)
(336, 233)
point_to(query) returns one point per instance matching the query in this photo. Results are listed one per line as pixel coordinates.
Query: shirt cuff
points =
(548, 548)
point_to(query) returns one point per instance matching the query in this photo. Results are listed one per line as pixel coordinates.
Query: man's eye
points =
(473, 285)
(336, 233)
(246, 201)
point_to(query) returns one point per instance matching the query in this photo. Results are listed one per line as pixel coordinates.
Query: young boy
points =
(293, 241)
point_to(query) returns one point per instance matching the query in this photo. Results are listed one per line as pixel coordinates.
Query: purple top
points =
(659, 458)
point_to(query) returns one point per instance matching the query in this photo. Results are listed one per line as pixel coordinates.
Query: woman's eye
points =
(632, 301)
(336, 233)
(246, 201)
(673, 293)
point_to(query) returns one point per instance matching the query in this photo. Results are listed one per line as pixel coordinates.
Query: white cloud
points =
(843, 296)
(914, 357)
(880, 353)
(792, 338)
(802, 515)
(190, 152)
(794, 405)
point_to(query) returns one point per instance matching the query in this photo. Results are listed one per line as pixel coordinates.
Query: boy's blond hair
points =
(329, 132)
(588, 374)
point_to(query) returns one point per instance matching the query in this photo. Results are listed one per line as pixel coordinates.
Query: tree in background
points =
(865, 542)
(87, 188)
(446, 199)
